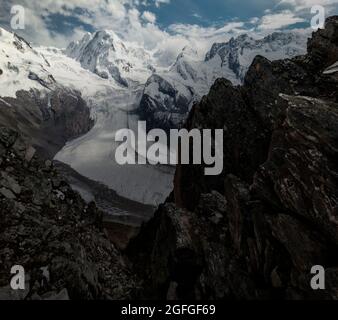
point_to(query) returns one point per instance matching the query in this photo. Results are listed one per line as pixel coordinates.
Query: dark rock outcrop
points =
(168, 109)
(46, 120)
(255, 231)
(46, 227)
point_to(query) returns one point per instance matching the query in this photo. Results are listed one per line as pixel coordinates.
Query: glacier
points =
(93, 155)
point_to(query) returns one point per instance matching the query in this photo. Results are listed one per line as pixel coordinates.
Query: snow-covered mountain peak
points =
(7, 37)
(12, 43)
(284, 37)
(105, 54)
(21, 66)
(272, 42)
(186, 62)
(243, 39)
(237, 54)
(188, 52)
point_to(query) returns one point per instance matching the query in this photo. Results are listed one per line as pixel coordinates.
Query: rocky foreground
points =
(46, 227)
(256, 231)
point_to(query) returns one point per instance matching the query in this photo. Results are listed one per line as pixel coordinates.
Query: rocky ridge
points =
(255, 231)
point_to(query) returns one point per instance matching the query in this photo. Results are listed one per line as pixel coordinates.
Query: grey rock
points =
(55, 236)
(10, 183)
(7, 193)
(30, 152)
(62, 295)
(7, 136)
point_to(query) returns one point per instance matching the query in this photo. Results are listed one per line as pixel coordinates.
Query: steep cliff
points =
(46, 120)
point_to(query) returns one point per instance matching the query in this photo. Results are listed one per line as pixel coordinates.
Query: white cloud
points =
(289, 12)
(279, 20)
(149, 16)
(196, 15)
(158, 3)
(307, 4)
(254, 20)
(123, 17)
(303, 7)
(97, 13)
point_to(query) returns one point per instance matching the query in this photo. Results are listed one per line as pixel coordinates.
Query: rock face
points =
(256, 231)
(163, 106)
(46, 227)
(46, 120)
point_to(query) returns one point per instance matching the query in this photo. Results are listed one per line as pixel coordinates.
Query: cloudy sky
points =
(162, 25)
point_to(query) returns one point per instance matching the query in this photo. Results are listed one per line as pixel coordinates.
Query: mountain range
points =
(169, 95)
(120, 83)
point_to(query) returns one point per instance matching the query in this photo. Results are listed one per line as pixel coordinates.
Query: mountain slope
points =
(21, 67)
(33, 102)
